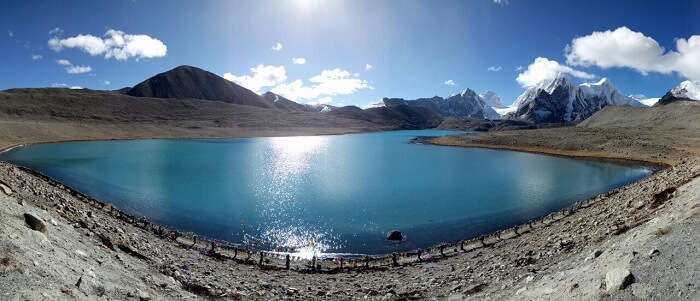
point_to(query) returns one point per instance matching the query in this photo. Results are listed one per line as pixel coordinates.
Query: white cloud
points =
(450, 82)
(262, 76)
(114, 44)
(78, 69)
(625, 48)
(57, 85)
(37, 57)
(368, 67)
(299, 60)
(543, 69)
(519, 68)
(277, 47)
(495, 68)
(73, 69)
(106, 83)
(10, 34)
(502, 2)
(56, 31)
(322, 87)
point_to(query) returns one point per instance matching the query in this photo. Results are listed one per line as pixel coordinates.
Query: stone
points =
(394, 235)
(6, 189)
(143, 296)
(595, 254)
(475, 288)
(662, 197)
(618, 279)
(654, 252)
(35, 223)
(88, 284)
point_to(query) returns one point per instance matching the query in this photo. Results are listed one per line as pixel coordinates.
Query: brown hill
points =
(191, 82)
(673, 116)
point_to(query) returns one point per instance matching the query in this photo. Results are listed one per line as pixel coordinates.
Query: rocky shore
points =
(635, 242)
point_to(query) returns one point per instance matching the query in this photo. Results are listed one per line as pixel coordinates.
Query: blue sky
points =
(413, 47)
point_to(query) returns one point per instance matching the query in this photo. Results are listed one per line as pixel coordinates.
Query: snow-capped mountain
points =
(466, 104)
(687, 90)
(560, 100)
(643, 99)
(492, 99)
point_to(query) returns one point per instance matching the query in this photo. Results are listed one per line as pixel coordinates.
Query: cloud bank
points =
(624, 48)
(114, 44)
(322, 87)
(543, 69)
(261, 76)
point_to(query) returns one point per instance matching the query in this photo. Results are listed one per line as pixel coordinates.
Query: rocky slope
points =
(560, 100)
(402, 115)
(492, 100)
(282, 103)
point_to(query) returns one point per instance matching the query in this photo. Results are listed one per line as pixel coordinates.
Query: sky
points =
(353, 52)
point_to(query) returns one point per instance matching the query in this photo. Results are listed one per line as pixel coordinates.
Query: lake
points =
(325, 194)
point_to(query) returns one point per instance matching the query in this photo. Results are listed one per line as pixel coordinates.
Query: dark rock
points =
(662, 197)
(394, 235)
(475, 288)
(35, 223)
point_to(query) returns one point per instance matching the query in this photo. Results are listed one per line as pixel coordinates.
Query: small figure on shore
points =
(286, 262)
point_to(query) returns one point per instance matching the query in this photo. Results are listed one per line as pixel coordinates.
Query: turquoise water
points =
(328, 194)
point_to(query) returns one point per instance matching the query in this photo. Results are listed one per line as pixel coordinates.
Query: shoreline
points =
(501, 263)
(658, 165)
(653, 166)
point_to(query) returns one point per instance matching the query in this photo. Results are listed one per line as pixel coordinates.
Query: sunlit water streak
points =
(324, 194)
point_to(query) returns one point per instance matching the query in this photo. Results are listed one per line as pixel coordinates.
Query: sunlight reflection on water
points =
(287, 163)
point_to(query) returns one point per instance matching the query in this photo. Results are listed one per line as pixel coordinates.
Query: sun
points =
(307, 5)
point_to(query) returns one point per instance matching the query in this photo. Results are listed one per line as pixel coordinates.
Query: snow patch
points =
(687, 89)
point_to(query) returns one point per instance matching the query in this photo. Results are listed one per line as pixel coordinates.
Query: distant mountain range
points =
(466, 104)
(558, 100)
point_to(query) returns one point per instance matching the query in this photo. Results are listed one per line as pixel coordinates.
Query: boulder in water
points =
(394, 235)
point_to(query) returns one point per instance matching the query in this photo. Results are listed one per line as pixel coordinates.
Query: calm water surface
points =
(329, 194)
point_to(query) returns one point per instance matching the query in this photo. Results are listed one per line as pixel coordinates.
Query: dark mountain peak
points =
(192, 82)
